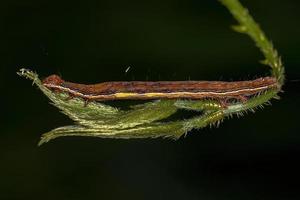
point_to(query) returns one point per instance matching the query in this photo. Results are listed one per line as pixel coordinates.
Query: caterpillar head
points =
(52, 80)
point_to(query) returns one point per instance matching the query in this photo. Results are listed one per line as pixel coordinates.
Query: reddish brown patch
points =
(53, 79)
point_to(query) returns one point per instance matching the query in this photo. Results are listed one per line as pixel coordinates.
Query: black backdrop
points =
(254, 157)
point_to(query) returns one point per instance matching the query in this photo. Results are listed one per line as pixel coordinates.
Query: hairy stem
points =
(248, 26)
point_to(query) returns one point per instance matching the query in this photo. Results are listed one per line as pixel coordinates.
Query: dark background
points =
(254, 157)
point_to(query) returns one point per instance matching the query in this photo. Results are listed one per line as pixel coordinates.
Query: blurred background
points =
(253, 157)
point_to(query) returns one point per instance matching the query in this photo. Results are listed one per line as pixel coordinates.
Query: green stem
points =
(249, 26)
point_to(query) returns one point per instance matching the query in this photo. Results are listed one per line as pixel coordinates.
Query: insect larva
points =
(139, 90)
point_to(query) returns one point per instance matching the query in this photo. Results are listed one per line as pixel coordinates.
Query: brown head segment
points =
(53, 80)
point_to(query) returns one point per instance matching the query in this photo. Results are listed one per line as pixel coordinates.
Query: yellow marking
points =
(158, 94)
(124, 95)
